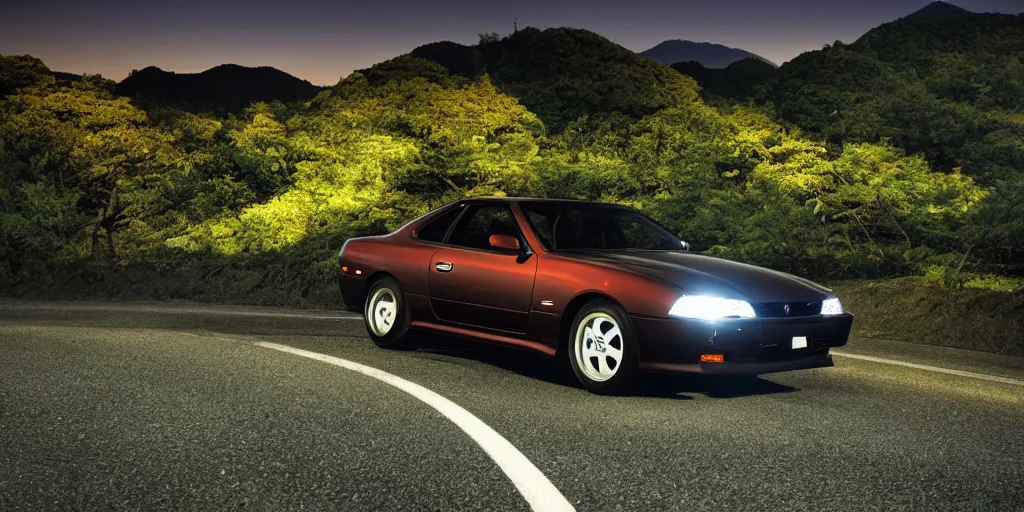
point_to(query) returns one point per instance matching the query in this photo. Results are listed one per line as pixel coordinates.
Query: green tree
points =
(262, 152)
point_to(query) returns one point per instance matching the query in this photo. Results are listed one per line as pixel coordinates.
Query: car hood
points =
(696, 274)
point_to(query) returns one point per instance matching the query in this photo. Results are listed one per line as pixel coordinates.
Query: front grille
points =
(778, 309)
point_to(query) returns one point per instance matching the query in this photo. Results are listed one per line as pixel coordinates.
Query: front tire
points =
(603, 351)
(387, 316)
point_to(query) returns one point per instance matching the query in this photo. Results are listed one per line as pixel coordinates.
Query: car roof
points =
(502, 199)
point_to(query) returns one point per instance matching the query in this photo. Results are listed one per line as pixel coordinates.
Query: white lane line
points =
(961, 373)
(539, 492)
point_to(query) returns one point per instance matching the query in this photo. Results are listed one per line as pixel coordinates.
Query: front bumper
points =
(754, 346)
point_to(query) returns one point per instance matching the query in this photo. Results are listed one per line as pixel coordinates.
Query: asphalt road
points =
(106, 406)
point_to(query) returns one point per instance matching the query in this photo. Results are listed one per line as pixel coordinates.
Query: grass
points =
(915, 311)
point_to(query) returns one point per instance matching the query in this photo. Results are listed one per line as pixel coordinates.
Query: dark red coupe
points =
(605, 284)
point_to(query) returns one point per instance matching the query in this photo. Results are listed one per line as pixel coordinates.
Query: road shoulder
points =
(997, 365)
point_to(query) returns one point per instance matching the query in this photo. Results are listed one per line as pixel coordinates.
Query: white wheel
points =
(387, 317)
(381, 311)
(599, 346)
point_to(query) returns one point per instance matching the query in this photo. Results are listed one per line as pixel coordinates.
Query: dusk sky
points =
(322, 41)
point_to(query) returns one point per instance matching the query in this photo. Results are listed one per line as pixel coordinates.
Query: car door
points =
(471, 283)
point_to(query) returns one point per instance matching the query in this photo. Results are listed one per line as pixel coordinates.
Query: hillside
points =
(913, 74)
(709, 55)
(227, 88)
(738, 80)
(562, 74)
(931, 42)
(17, 71)
(101, 192)
(949, 87)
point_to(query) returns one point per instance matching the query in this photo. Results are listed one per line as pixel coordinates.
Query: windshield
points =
(570, 226)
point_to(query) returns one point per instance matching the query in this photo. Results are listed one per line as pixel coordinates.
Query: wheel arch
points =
(573, 308)
(370, 280)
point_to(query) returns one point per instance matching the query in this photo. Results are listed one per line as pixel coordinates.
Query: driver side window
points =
(480, 222)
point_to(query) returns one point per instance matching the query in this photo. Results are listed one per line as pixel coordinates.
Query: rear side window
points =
(480, 222)
(435, 230)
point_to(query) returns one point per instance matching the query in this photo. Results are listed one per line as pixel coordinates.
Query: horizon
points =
(194, 37)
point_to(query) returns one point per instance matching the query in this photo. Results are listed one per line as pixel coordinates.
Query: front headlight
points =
(831, 306)
(711, 308)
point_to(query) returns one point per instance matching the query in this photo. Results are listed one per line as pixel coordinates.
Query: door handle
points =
(443, 266)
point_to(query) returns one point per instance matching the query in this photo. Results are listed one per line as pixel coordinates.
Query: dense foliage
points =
(564, 74)
(944, 84)
(94, 185)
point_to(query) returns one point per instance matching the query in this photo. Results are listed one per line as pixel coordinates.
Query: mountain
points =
(940, 28)
(562, 74)
(943, 82)
(709, 55)
(738, 80)
(936, 10)
(228, 87)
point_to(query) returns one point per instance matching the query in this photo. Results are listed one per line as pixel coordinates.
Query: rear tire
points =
(387, 316)
(603, 351)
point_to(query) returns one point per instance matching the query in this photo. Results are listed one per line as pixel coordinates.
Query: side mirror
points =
(685, 245)
(506, 242)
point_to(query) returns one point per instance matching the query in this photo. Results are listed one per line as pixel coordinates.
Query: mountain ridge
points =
(709, 55)
(228, 87)
(939, 9)
(737, 80)
(563, 73)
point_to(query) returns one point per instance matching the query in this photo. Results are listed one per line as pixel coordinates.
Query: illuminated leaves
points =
(871, 191)
(393, 141)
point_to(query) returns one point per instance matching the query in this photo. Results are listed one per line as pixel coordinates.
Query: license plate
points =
(799, 342)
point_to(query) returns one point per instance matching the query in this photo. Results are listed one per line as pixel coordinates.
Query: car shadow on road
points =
(557, 371)
(736, 386)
